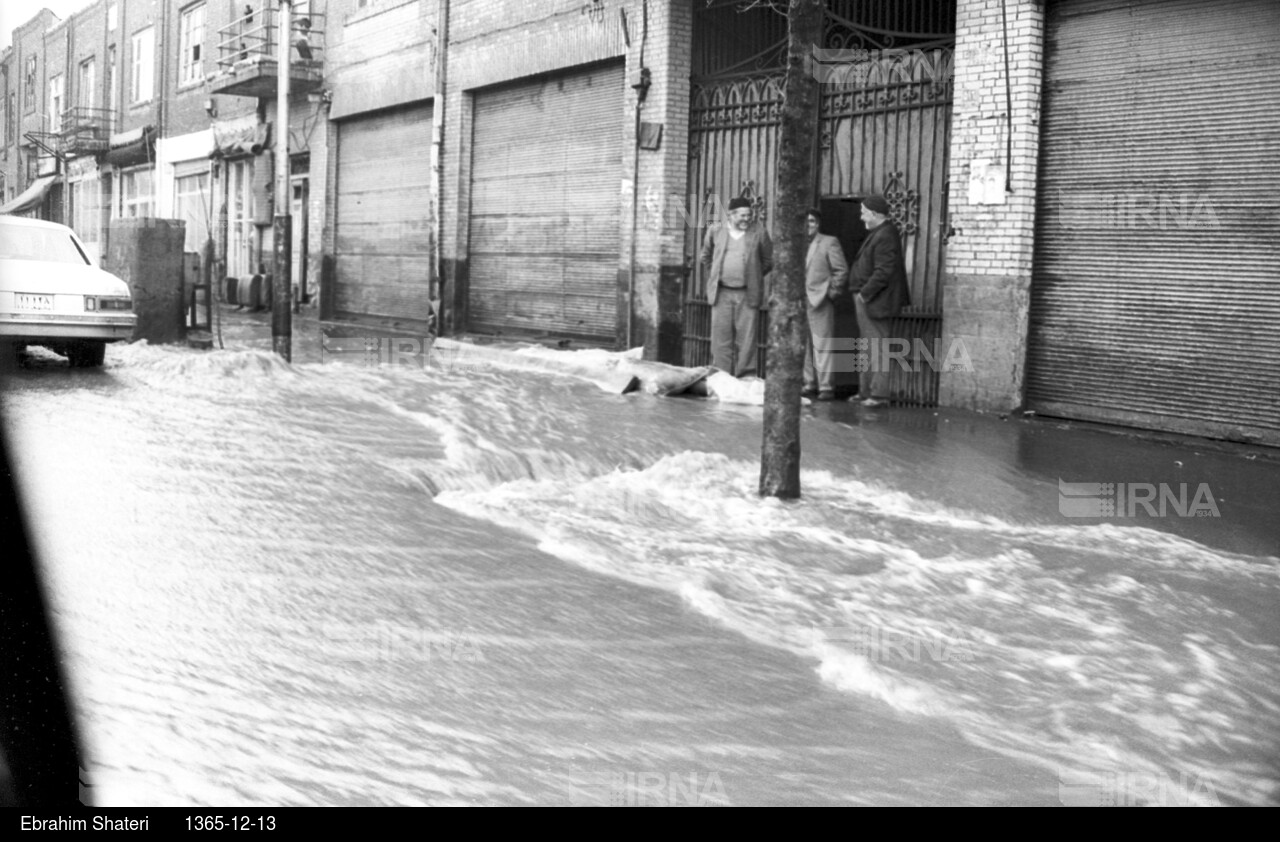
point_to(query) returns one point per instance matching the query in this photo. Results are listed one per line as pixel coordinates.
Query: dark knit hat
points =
(739, 202)
(877, 204)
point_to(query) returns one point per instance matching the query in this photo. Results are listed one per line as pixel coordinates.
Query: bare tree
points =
(788, 325)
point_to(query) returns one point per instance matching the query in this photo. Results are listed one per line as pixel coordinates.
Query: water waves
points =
(1086, 649)
(1070, 646)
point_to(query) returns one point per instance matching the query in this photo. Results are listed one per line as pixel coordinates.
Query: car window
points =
(23, 243)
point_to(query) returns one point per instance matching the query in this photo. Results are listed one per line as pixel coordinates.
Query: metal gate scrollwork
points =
(883, 126)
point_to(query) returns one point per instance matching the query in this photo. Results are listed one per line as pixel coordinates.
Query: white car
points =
(52, 294)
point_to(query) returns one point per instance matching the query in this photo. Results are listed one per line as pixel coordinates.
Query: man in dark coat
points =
(879, 277)
(738, 256)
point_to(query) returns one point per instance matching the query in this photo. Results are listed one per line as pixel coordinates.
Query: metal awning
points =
(247, 140)
(136, 146)
(30, 198)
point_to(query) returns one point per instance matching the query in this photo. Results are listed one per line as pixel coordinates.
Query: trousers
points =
(734, 326)
(873, 384)
(819, 359)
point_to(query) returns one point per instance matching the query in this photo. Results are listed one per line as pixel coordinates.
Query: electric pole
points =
(282, 284)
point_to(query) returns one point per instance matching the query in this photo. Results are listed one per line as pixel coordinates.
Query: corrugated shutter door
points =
(547, 162)
(1156, 283)
(383, 223)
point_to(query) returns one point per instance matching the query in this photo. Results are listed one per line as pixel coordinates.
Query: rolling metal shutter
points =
(383, 222)
(545, 206)
(1156, 283)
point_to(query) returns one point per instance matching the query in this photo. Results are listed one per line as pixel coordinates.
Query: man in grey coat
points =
(879, 276)
(739, 256)
(824, 278)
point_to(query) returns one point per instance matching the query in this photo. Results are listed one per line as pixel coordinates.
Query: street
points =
(333, 583)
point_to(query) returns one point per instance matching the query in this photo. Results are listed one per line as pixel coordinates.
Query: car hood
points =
(42, 276)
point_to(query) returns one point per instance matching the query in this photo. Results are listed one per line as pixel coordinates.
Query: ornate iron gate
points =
(733, 151)
(883, 127)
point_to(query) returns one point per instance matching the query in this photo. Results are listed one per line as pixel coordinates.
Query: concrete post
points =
(147, 255)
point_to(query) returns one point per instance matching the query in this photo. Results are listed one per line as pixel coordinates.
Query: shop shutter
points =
(545, 206)
(383, 225)
(1156, 281)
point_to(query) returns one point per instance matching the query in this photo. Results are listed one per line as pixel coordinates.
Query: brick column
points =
(661, 180)
(987, 280)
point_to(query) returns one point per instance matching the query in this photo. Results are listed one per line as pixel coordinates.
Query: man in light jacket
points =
(824, 279)
(739, 256)
(879, 276)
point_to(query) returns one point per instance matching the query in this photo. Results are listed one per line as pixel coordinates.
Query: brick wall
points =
(136, 15)
(88, 39)
(657, 317)
(184, 102)
(494, 41)
(988, 260)
(56, 51)
(489, 42)
(381, 55)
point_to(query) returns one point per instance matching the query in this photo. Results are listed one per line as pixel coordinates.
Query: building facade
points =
(1090, 227)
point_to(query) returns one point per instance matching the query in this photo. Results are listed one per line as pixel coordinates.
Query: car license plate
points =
(27, 301)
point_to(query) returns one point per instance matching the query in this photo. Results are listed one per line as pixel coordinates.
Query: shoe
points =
(809, 393)
(875, 402)
(826, 395)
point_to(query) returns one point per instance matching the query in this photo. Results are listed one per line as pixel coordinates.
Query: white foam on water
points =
(1081, 648)
(1046, 624)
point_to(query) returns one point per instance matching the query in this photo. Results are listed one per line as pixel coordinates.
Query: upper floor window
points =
(144, 65)
(113, 89)
(29, 92)
(57, 89)
(113, 16)
(85, 85)
(191, 46)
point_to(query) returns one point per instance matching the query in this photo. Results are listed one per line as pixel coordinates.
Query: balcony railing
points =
(247, 58)
(85, 131)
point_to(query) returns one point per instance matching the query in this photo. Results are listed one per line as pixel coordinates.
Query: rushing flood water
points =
(328, 584)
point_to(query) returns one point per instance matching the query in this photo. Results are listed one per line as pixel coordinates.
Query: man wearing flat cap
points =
(879, 279)
(739, 255)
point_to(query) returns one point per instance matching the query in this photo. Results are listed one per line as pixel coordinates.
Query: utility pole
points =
(282, 283)
(788, 321)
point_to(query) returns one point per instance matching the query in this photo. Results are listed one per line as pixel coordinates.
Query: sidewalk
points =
(1112, 475)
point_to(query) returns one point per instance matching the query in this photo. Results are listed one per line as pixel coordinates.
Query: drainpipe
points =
(641, 88)
(163, 91)
(70, 83)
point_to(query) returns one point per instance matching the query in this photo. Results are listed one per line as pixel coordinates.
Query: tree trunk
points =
(788, 322)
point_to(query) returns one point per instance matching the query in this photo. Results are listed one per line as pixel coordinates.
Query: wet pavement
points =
(346, 581)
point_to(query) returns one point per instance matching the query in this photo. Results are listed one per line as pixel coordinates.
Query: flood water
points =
(320, 584)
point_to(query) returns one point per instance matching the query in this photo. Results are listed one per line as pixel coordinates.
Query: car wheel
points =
(86, 354)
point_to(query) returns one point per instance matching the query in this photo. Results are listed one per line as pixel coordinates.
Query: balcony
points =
(85, 131)
(247, 60)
